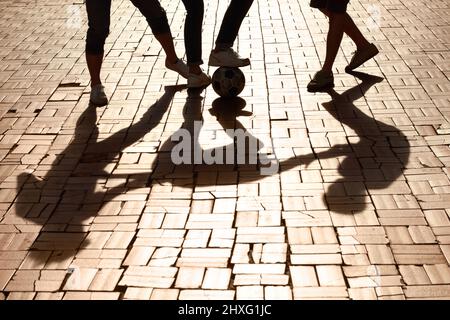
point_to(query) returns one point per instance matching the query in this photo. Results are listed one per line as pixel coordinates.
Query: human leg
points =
(157, 20)
(98, 12)
(365, 50)
(336, 9)
(193, 43)
(223, 55)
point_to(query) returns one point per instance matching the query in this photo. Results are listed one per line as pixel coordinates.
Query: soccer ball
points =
(228, 82)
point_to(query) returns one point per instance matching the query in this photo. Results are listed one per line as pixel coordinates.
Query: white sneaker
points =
(98, 95)
(180, 67)
(227, 58)
(198, 80)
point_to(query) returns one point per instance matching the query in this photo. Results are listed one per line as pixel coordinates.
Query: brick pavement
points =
(91, 206)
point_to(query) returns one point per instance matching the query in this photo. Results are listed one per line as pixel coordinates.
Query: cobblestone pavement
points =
(92, 207)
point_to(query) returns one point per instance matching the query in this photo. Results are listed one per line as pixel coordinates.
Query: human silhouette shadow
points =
(375, 161)
(225, 111)
(373, 149)
(49, 200)
(374, 157)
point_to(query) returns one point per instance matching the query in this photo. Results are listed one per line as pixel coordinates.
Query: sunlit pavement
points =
(93, 207)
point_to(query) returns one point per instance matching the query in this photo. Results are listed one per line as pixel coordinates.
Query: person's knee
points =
(159, 24)
(155, 14)
(95, 40)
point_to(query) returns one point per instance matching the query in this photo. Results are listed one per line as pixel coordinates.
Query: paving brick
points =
(80, 279)
(320, 292)
(303, 276)
(259, 268)
(399, 235)
(389, 291)
(330, 276)
(189, 277)
(362, 294)
(105, 280)
(21, 296)
(49, 296)
(247, 279)
(422, 234)
(164, 294)
(428, 291)
(216, 278)
(275, 279)
(139, 256)
(308, 259)
(414, 275)
(5, 276)
(250, 293)
(299, 236)
(446, 251)
(206, 295)
(277, 293)
(380, 254)
(438, 274)
(323, 235)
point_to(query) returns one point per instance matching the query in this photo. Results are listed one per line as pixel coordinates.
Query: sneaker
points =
(227, 58)
(180, 67)
(322, 80)
(361, 56)
(198, 80)
(98, 95)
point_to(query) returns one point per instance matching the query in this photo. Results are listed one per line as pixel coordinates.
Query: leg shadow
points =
(373, 162)
(373, 158)
(69, 195)
(182, 152)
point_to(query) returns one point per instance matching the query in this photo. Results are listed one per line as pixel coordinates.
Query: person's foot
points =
(198, 80)
(180, 67)
(361, 56)
(321, 81)
(227, 58)
(98, 95)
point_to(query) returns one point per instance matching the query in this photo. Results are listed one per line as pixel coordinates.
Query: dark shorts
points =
(337, 6)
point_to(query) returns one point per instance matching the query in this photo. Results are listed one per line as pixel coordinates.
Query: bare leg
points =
(195, 69)
(166, 41)
(334, 39)
(94, 63)
(352, 30)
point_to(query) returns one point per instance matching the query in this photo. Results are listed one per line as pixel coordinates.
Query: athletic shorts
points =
(337, 6)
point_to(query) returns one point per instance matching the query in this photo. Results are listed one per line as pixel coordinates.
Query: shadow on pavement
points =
(69, 195)
(374, 161)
